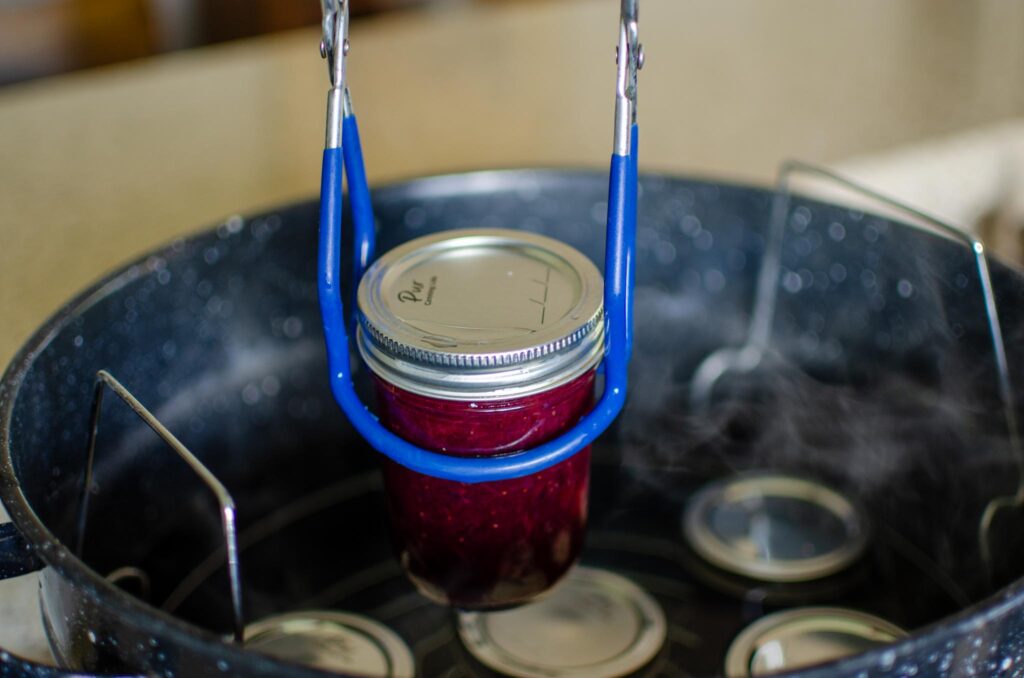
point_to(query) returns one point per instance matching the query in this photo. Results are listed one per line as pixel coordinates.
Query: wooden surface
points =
(97, 167)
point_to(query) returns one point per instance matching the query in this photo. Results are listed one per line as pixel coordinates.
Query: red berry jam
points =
(484, 343)
(497, 543)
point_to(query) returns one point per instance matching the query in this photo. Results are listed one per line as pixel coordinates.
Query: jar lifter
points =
(343, 156)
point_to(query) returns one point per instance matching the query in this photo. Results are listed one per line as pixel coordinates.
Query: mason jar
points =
(484, 343)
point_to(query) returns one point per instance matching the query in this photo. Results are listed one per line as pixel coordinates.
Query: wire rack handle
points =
(228, 514)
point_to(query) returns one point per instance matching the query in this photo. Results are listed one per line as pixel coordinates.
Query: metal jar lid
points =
(796, 639)
(481, 315)
(338, 642)
(594, 624)
(775, 528)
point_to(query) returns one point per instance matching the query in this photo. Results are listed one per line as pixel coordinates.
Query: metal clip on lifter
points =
(342, 150)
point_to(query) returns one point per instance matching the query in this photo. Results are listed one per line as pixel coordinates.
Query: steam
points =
(859, 430)
(922, 449)
(776, 416)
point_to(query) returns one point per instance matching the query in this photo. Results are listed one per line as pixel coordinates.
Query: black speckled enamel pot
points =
(882, 385)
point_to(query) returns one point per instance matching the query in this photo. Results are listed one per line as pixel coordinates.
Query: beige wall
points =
(96, 168)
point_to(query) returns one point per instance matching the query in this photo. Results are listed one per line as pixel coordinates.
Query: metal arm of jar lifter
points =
(342, 150)
(227, 504)
(752, 352)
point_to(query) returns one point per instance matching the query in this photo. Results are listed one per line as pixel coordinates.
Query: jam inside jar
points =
(501, 359)
(497, 543)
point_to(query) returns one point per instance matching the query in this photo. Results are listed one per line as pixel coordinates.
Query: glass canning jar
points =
(484, 343)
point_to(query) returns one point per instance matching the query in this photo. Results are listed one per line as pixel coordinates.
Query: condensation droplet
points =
(802, 247)
(792, 282)
(801, 219)
(714, 281)
(665, 252)
(690, 225)
(270, 386)
(415, 217)
(837, 272)
(251, 394)
(292, 327)
(704, 241)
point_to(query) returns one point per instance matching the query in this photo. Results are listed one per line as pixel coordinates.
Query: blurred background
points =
(40, 38)
(126, 123)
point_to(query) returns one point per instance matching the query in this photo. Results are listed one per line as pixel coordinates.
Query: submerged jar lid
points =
(481, 314)
(338, 642)
(804, 637)
(775, 528)
(594, 624)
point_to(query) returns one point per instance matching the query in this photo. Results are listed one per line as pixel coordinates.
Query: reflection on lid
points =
(595, 624)
(333, 641)
(805, 637)
(775, 528)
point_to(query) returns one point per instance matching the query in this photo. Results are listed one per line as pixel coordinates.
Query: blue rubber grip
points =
(359, 198)
(629, 226)
(617, 261)
(621, 226)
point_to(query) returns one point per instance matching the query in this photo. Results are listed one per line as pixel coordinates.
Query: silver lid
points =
(595, 624)
(338, 642)
(775, 528)
(481, 314)
(796, 639)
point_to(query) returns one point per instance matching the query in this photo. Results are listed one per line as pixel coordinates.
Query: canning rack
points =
(756, 347)
(714, 367)
(343, 157)
(228, 555)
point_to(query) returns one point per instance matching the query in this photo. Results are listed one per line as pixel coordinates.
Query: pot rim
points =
(64, 561)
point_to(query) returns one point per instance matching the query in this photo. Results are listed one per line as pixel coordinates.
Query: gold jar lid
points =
(481, 314)
(803, 637)
(774, 527)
